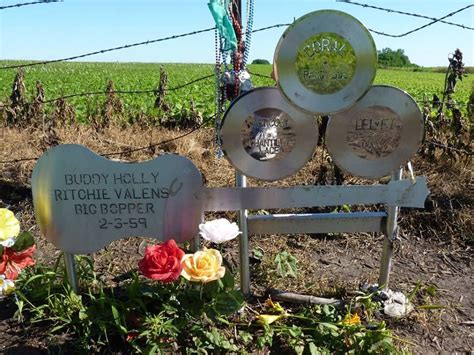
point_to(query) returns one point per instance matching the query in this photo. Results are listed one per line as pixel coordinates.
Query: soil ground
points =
(435, 246)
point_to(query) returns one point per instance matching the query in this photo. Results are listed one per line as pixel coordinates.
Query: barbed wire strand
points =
(108, 50)
(45, 62)
(128, 151)
(463, 151)
(92, 93)
(27, 4)
(405, 13)
(145, 91)
(200, 126)
(132, 150)
(421, 27)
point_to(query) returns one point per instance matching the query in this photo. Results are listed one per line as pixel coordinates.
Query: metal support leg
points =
(196, 244)
(241, 181)
(391, 235)
(71, 270)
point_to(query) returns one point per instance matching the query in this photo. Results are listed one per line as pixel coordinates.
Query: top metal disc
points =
(325, 61)
(265, 137)
(378, 135)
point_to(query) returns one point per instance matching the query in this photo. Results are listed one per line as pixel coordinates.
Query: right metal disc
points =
(378, 135)
(325, 61)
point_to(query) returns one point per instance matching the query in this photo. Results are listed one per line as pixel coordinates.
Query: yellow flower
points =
(274, 305)
(267, 319)
(203, 266)
(351, 320)
(6, 286)
(9, 225)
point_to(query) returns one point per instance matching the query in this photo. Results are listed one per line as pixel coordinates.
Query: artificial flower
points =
(6, 286)
(9, 227)
(162, 262)
(12, 262)
(219, 230)
(203, 266)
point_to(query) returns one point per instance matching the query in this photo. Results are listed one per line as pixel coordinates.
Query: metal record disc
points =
(325, 61)
(378, 135)
(265, 137)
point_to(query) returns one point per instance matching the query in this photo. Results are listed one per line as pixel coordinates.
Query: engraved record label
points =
(268, 134)
(325, 63)
(374, 132)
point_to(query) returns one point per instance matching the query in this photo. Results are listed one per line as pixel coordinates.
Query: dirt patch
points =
(435, 246)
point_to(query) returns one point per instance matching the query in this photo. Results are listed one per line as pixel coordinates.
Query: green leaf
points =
(313, 349)
(211, 289)
(23, 241)
(431, 290)
(228, 280)
(286, 264)
(258, 253)
(245, 337)
(115, 314)
(1, 251)
(229, 302)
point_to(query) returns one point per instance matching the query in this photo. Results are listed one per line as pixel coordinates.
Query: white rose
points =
(219, 230)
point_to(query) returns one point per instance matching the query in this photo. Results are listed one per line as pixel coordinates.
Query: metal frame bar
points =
(71, 274)
(241, 181)
(317, 223)
(391, 234)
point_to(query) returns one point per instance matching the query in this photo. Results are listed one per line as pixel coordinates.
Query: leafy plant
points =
(286, 264)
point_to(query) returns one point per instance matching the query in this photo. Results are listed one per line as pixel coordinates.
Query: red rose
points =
(12, 262)
(162, 262)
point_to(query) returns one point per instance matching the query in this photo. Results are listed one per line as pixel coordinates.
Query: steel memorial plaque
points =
(83, 201)
(376, 136)
(265, 137)
(325, 61)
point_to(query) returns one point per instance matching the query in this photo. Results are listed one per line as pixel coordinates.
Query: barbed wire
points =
(107, 50)
(260, 75)
(92, 93)
(27, 4)
(149, 147)
(447, 147)
(270, 27)
(405, 13)
(45, 62)
(421, 27)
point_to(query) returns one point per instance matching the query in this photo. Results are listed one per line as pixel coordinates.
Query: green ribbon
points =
(223, 24)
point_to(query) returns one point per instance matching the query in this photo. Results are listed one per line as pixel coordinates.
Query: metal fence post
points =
(70, 264)
(196, 243)
(391, 234)
(241, 181)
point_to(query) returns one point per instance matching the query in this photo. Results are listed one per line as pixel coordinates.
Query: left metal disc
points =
(265, 137)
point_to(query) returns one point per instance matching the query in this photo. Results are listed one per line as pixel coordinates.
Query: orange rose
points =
(203, 266)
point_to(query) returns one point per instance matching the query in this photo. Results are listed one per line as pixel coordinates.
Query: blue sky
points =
(54, 30)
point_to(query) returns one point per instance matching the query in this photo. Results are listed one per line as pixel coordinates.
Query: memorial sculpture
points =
(324, 64)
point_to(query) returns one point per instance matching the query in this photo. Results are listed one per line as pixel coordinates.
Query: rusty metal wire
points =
(17, 66)
(421, 27)
(28, 3)
(406, 13)
(128, 151)
(107, 50)
(132, 92)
